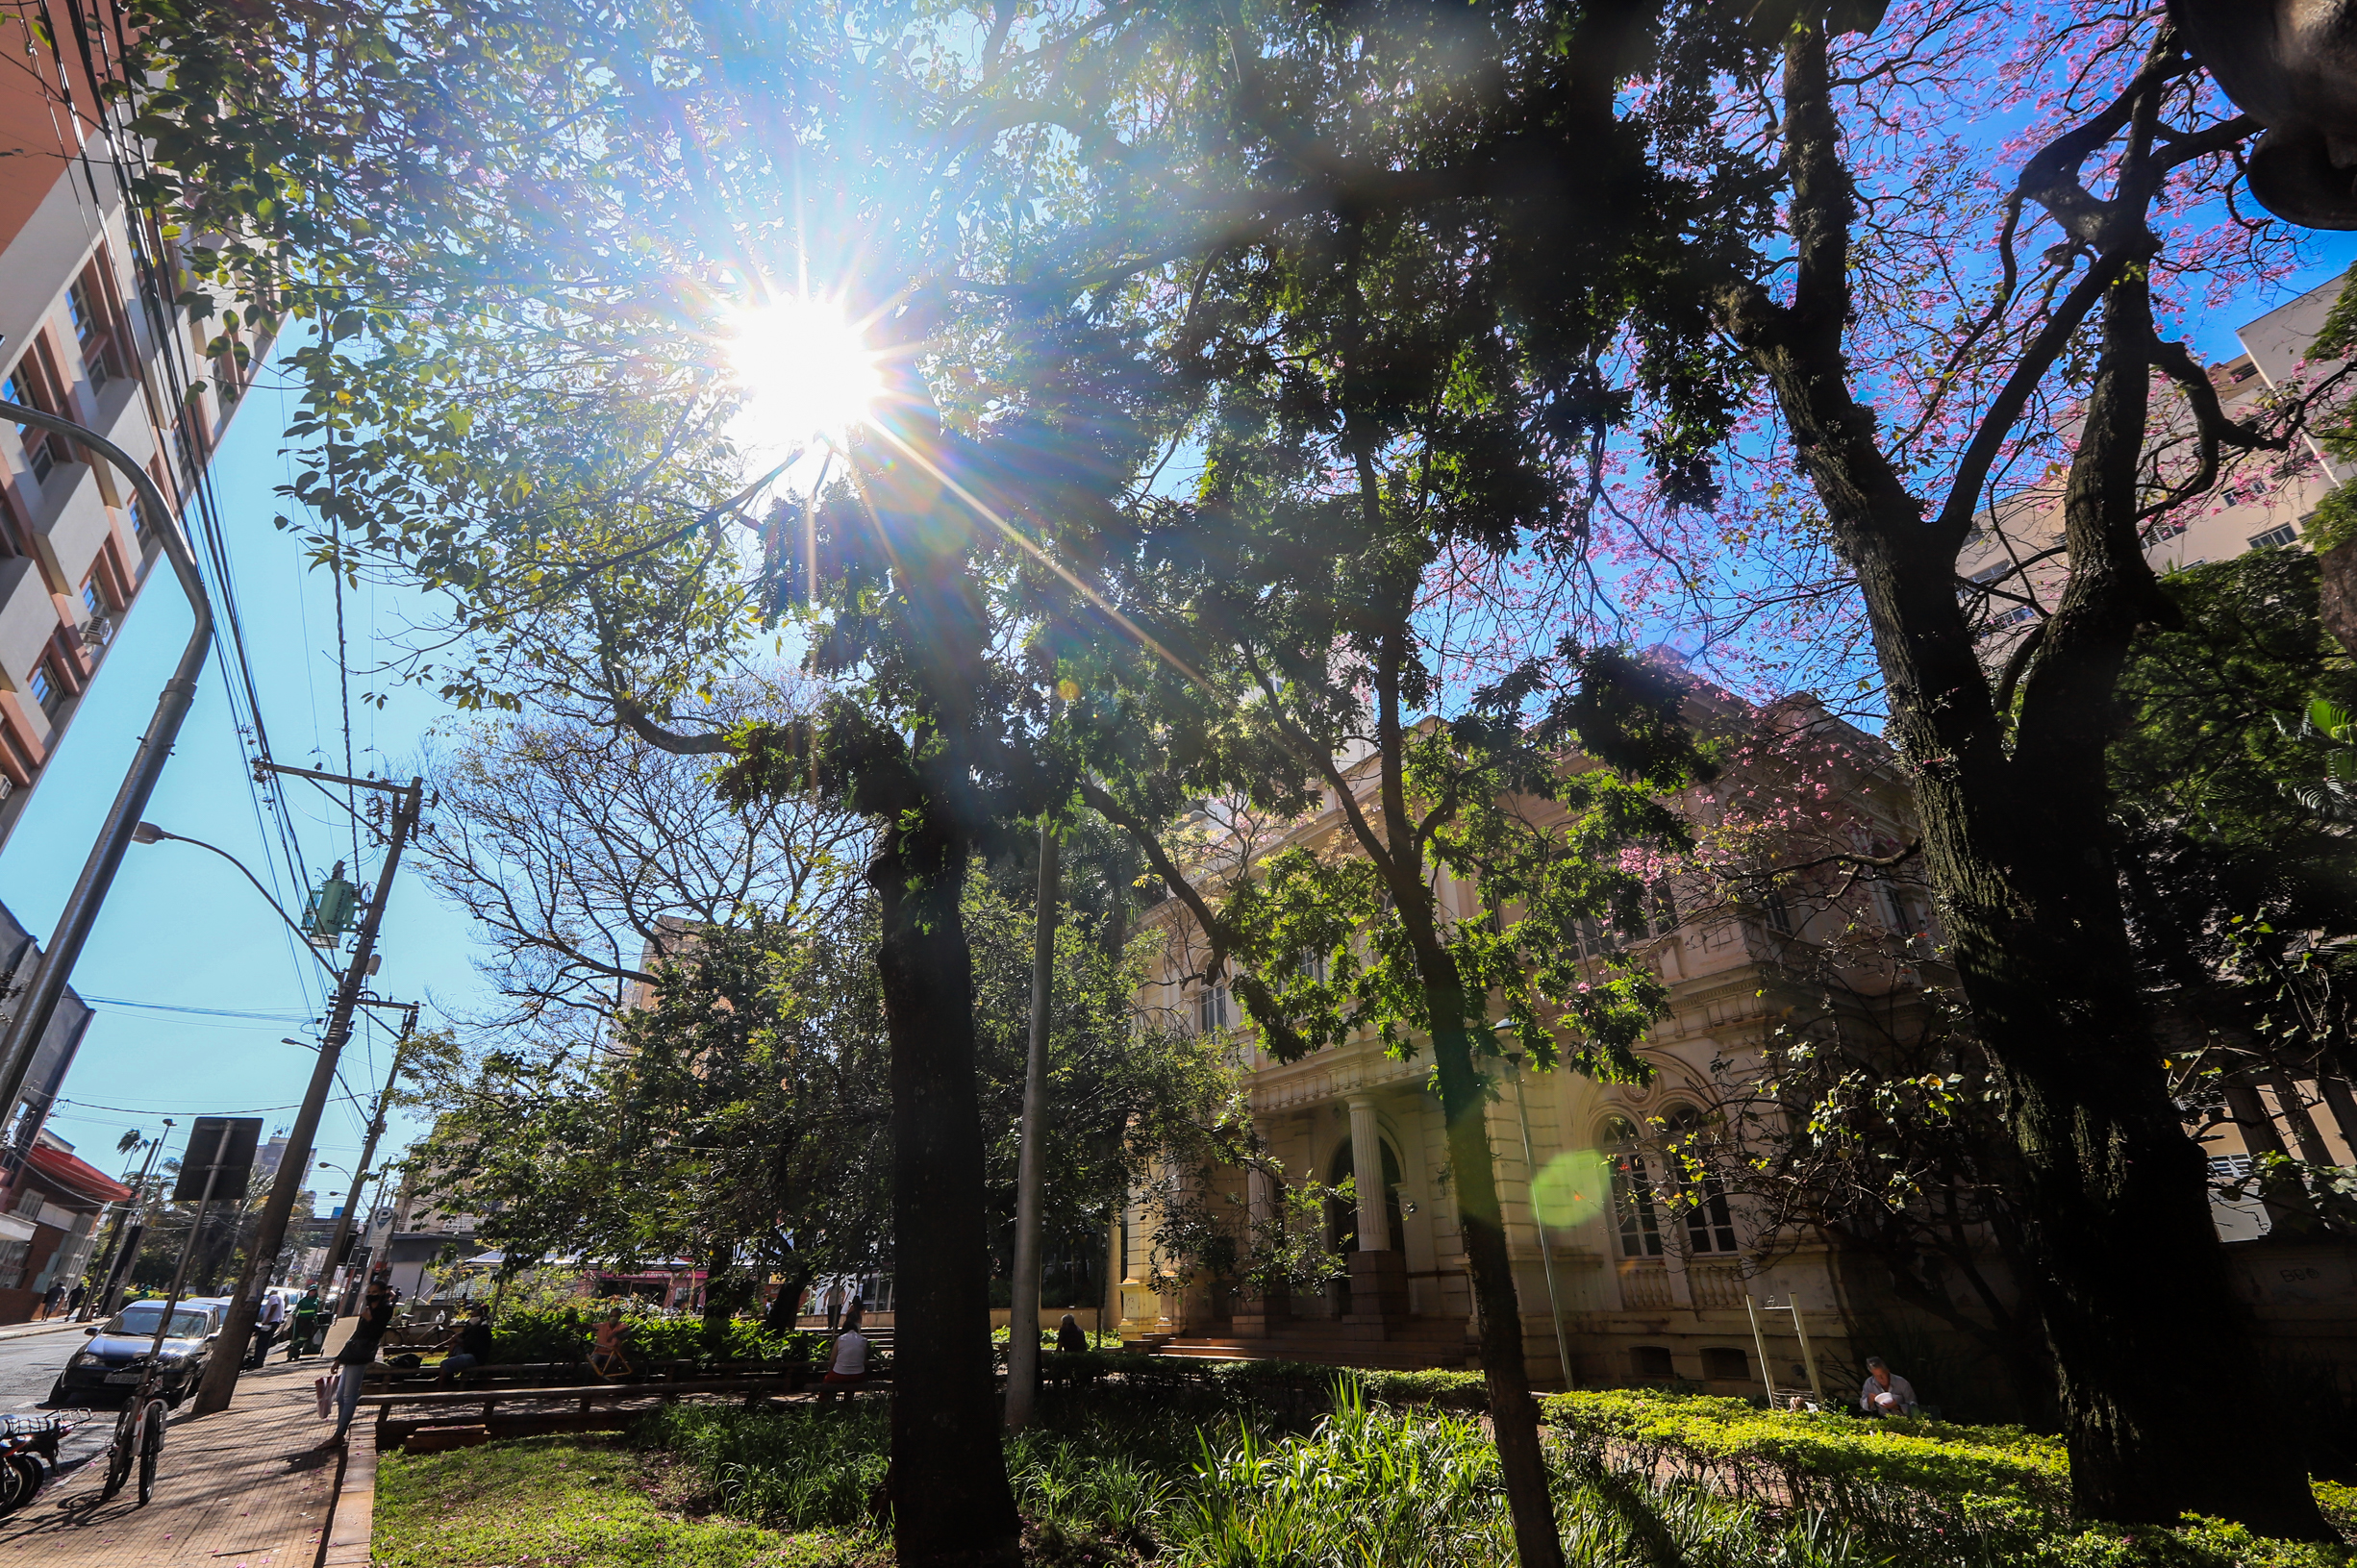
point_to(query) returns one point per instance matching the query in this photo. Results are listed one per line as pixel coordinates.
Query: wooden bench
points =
(462, 1417)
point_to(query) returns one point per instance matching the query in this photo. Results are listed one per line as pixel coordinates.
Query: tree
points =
(2009, 763)
(2241, 895)
(1125, 1090)
(570, 843)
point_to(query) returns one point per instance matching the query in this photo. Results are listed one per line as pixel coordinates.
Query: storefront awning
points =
(78, 1177)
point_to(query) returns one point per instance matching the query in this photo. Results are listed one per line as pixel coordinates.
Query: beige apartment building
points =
(2263, 504)
(88, 330)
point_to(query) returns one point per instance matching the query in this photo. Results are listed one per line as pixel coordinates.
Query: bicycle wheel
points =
(151, 1450)
(119, 1452)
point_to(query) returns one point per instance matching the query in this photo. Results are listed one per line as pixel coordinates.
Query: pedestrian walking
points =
(268, 1319)
(304, 1339)
(353, 1361)
(53, 1298)
(74, 1299)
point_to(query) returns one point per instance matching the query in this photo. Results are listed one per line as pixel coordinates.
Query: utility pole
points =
(128, 1226)
(368, 1151)
(1031, 1166)
(222, 1372)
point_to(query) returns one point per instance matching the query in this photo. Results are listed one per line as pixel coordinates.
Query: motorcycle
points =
(27, 1456)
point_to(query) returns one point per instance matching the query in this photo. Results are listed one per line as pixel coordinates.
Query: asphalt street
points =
(27, 1366)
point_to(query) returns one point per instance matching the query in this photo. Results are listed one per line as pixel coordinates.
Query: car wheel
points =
(57, 1394)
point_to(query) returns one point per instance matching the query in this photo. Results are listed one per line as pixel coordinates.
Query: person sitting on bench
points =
(470, 1344)
(849, 1373)
(607, 1357)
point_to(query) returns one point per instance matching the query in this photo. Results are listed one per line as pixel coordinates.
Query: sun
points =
(808, 374)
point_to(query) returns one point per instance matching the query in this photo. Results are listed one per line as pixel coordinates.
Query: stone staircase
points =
(1410, 1345)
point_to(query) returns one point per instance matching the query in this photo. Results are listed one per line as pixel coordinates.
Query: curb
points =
(351, 1524)
(26, 1330)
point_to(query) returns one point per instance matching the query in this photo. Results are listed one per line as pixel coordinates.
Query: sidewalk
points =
(56, 1325)
(245, 1488)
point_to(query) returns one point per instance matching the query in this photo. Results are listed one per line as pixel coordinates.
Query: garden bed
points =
(1200, 1472)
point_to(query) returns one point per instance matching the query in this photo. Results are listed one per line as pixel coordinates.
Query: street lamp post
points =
(39, 1002)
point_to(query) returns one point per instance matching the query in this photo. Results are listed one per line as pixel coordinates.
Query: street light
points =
(38, 1003)
(148, 833)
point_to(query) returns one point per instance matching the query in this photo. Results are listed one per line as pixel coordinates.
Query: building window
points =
(2275, 539)
(1724, 1363)
(1633, 1213)
(2014, 617)
(18, 387)
(1651, 1363)
(1703, 1199)
(1776, 910)
(44, 689)
(92, 599)
(139, 518)
(1211, 1009)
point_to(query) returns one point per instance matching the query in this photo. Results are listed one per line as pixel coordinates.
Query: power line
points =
(282, 1016)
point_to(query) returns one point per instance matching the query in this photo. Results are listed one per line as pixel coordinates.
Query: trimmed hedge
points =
(1939, 1473)
(1296, 1387)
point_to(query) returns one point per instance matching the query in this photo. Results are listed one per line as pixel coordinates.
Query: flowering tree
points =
(2009, 762)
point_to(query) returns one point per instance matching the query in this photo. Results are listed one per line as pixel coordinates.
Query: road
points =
(27, 1366)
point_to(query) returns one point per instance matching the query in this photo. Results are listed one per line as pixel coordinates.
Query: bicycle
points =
(138, 1437)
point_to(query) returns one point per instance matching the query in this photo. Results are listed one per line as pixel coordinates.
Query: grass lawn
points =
(589, 1501)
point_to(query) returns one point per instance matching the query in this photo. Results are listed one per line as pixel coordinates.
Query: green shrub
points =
(1931, 1474)
(564, 1334)
(1297, 1389)
(793, 1470)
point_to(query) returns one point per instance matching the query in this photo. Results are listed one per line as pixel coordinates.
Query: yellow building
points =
(1666, 1282)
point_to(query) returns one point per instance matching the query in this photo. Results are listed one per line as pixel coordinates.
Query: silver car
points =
(107, 1369)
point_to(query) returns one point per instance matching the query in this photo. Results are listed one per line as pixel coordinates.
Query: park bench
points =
(448, 1418)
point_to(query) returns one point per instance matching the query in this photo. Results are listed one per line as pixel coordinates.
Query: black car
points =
(106, 1370)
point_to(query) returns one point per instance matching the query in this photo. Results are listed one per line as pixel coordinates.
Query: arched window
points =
(1702, 1199)
(1633, 1215)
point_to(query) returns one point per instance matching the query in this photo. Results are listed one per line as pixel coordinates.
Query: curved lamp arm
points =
(148, 833)
(39, 1002)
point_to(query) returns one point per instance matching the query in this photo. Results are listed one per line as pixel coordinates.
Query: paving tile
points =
(245, 1488)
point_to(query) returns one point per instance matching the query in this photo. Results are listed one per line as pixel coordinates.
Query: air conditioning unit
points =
(96, 631)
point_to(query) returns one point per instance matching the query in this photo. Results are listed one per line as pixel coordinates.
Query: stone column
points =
(1378, 1275)
(1367, 1171)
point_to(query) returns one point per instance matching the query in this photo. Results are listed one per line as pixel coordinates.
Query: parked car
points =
(107, 1368)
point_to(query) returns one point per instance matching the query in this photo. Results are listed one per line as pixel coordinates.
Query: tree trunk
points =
(951, 1504)
(1514, 1414)
(782, 1314)
(725, 1287)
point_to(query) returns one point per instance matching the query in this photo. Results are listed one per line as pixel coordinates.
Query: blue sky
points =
(182, 930)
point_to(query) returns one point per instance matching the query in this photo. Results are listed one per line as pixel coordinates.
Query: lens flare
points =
(1570, 1189)
(808, 374)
